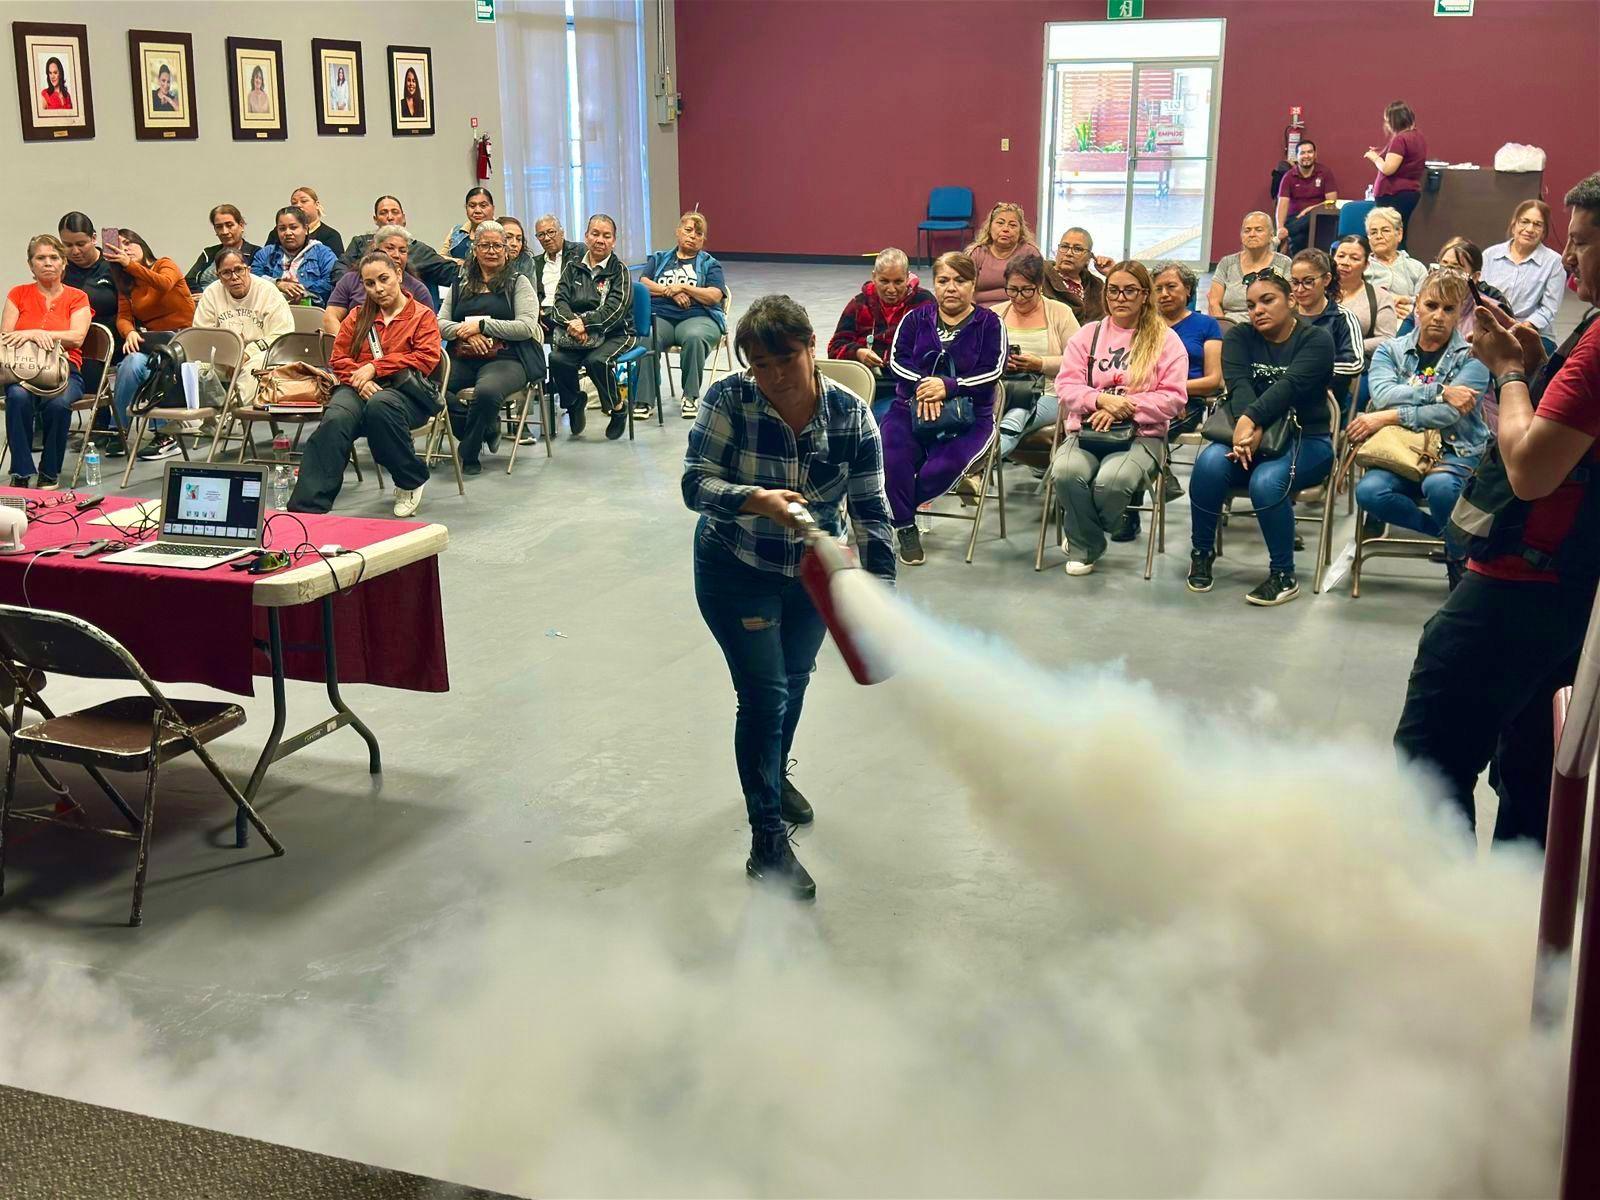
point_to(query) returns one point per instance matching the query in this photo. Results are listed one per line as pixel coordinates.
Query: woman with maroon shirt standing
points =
(1401, 163)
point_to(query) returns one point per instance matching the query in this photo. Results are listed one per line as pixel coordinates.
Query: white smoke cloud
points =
(1281, 972)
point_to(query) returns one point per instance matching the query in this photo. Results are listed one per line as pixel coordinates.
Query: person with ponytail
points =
(1122, 380)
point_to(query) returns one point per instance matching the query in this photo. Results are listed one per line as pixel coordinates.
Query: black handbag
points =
(955, 417)
(1120, 434)
(1276, 439)
(1022, 389)
(407, 381)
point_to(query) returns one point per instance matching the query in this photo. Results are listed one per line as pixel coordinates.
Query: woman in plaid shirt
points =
(776, 435)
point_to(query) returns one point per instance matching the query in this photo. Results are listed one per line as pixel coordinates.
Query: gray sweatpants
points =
(1095, 492)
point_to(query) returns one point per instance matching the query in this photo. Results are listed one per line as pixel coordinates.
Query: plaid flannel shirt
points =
(740, 444)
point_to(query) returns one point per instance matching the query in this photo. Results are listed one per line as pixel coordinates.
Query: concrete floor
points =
(583, 755)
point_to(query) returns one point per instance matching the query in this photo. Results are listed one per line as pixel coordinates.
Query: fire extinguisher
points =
(1293, 133)
(482, 145)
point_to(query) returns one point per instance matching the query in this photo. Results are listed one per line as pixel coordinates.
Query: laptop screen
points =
(211, 503)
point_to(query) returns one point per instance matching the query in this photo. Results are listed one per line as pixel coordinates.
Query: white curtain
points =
(532, 36)
(610, 53)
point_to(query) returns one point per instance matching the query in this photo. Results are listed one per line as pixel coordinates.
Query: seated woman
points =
(47, 313)
(1310, 277)
(480, 207)
(1391, 267)
(1005, 233)
(1121, 383)
(517, 250)
(349, 292)
(1527, 271)
(1225, 300)
(90, 272)
(228, 224)
(1427, 379)
(1370, 305)
(249, 306)
(686, 291)
(1462, 255)
(303, 269)
(384, 393)
(593, 324)
(1071, 280)
(1037, 332)
(949, 350)
(491, 325)
(153, 302)
(866, 327)
(1174, 287)
(1272, 366)
(305, 199)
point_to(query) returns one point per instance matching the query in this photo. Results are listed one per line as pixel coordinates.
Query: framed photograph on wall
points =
(53, 81)
(411, 89)
(255, 90)
(162, 66)
(341, 89)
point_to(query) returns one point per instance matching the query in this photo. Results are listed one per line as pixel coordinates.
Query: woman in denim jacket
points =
(1427, 379)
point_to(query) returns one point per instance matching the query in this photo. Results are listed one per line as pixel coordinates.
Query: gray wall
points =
(661, 140)
(165, 189)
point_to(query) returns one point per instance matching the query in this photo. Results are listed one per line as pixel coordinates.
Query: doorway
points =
(1129, 136)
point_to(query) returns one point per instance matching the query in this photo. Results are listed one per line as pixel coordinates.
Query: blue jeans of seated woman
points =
(769, 632)
(1268, 480)
(133, 370)
(1388, 497)
(55, 415)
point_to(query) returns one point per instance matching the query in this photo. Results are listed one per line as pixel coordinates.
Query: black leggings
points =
(599, 360)
(492, 380)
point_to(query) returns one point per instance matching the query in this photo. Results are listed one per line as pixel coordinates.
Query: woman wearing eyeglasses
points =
(1526, 270)
(1037, 330)
(1390, 266)
(1121, 383)
(1275, 366)
(1310, 277)
(1070, 279)
(250, 306)
(1225, 300)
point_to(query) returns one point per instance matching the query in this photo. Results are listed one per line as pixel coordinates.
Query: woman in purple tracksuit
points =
(948, 349)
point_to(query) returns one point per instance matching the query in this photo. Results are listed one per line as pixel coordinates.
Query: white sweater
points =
(259, 317)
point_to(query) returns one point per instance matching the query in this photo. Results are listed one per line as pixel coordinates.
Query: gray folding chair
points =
(130, 733)
(99, 345)
(222, 349)
(312, 348)
(992, 483)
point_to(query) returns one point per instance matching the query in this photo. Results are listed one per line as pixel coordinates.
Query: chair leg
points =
(1044, 524)
(547, 420)
(1158, 489)
(135, 436)
(983, 497)
(142, 865)
(1355, 565)
(1325, 537)
(5, 810)
(238, 798)
(443, 424)
(1000, 490)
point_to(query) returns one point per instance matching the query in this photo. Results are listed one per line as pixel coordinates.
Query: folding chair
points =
(1320, 494)
(989, 471)
(633, 360)
(130, 733)
(724, 346)
(222, 349)
(432, 431)
(1156, 505)
(312, 348)
(100, 346)
(515, 417)
(853, 376)
(307, 317)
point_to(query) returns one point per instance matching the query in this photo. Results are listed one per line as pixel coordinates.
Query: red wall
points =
(818, 126)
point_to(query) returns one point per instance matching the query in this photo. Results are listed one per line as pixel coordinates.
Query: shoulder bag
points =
(1408, 453)
(1120, 434)
(407, 381)
(955, 414)
(43, 372)
(296, 383)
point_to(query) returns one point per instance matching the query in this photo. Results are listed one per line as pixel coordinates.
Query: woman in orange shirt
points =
(152, 298)
(47, 313)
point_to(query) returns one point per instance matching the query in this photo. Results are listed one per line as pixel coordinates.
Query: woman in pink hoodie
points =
(1121, 384)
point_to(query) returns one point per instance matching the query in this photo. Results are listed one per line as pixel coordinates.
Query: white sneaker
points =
(408, 500)
(1075, 567)
(690, 408)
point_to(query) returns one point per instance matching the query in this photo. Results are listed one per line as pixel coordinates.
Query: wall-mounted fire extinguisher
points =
(1293, 133)
(482, 146)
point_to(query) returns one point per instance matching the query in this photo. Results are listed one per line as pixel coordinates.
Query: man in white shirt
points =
(555, 252)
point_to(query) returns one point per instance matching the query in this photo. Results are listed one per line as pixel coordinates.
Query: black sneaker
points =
(114, 447)
(160, 447)
(22, 481)
(911, 546)
(48, 482)
(618, 425)
(1128, 528)
(772, 862)
(795, 808)
(472, 468)
(1371, 527)
(1276, 588)
(1200, 570)
(576, 418)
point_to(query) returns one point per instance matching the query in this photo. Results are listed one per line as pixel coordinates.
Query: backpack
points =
(1490, 519)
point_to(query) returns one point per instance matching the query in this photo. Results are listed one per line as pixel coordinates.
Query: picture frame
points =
(55, 91)
(161, 67)
(341, 88)
(411, 98)
(257, 102)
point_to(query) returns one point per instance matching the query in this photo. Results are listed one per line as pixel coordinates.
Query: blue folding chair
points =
(949, 210)
(629, 362)
(1353, 217)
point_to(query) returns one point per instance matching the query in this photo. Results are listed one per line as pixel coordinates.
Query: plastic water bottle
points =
(91, 466)
(283, 472)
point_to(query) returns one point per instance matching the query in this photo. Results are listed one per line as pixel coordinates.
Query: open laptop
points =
(210, 513)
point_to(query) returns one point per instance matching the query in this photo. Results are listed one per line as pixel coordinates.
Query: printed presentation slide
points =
(203, 500)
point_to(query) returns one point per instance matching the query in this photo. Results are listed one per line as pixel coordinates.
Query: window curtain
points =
(532, 37)
(610, 54)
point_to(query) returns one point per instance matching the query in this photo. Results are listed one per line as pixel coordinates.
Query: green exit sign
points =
(1124, 10)
(485, 9)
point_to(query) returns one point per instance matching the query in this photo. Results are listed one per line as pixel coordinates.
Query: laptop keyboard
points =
(185, 550)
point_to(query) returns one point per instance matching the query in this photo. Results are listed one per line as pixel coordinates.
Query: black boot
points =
(1128, 528)
(772, 862)
(796, 809)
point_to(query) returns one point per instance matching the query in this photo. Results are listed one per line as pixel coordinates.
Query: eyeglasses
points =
(1021, 293)
(1301, 285)
(233, 272)
(1529, 223)
(1069, 248)
(545, 235)
(491, 245)
(1124, 293)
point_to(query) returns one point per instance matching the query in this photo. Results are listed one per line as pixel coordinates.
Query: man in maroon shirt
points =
(1305, 187)
(1509, 635)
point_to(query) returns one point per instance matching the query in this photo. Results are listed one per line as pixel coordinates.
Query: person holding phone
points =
(153, 302)
(1037, 332)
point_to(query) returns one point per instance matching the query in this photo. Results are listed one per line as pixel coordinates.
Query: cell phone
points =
(111, 237)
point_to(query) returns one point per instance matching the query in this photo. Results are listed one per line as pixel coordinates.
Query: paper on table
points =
(143, 513)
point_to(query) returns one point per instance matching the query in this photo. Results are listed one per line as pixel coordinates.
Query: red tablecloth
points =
(202, 627)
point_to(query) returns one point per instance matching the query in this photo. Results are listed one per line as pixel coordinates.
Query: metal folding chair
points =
(853, 376)
(724, 346)
(991, 485)
(99, 345)
(432, 431)
(130, 733)
(222, 349)
(312, 348)
(1155, 505)
(307, 317)
(515, 417)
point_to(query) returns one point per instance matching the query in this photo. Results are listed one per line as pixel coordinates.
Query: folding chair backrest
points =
(220, 347)
(98, 343)
(441, 376)
(950, 204)
(59, 644)
(307, 317)
(855, 376)
(643, 323)
(310, 348)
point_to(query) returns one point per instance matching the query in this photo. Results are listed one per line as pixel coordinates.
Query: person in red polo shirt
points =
(1301, 189)
(1509, 635)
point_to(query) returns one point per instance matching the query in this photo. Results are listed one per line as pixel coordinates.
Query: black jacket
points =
(571, 252)
(580, 295)
(1265, 380)
(427, 264)
(196, 278)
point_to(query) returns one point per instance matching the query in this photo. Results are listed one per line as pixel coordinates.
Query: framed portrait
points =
(162, 66)
(341, 90)
(53, 81)
(411, 89)
(255, 90)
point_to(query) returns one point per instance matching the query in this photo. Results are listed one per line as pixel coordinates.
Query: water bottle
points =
(91, 466)
(282, 472)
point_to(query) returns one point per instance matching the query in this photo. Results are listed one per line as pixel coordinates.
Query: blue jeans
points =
(1400, 502)
(133, 370)
(769, 633)
(1215, 474)
(56, 416)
